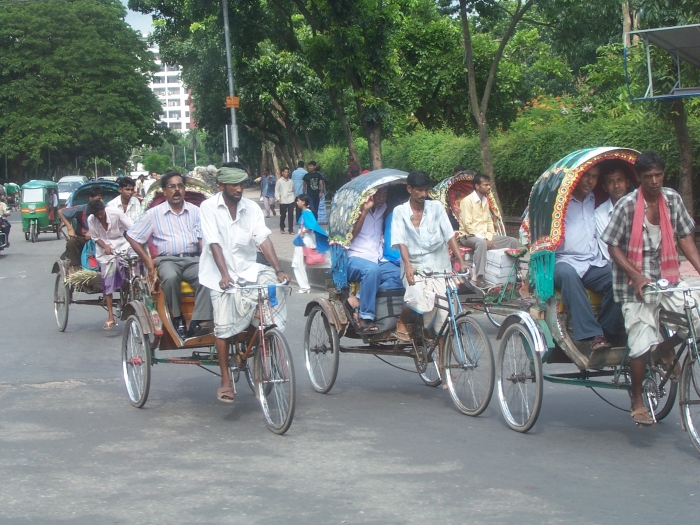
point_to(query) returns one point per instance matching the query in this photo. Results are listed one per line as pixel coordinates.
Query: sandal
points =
(366, 328)
(109, 325)
(599, 343)
(225, 394)
(642, 417)
(674, 372)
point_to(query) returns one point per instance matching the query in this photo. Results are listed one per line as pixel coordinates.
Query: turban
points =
(231, 175)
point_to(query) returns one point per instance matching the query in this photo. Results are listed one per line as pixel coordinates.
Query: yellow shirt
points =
(475, 217)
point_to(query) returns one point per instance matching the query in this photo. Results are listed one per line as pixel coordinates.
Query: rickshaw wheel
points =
(136, 362)
(250, 364)
(61, 302)
(26, 236)
(664, 405)
(469, 374)
(58, 233)
(690, 398)
(429, 371)
(321, 351)
(520, 379)
(274, 381)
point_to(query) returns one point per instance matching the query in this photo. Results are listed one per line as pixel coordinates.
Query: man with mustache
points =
(580, 265)
(232, 229)
(174, 229)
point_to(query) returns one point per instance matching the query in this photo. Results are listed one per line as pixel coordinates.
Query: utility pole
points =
(231, 90)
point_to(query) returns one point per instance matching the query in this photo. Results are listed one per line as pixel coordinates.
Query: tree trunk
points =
(626, 22)
(373, 130)
(685, 148)
(308, 145)
(275, 162)
(172, 149)
(342, 118)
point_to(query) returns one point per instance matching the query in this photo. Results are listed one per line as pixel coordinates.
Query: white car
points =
(66, 186)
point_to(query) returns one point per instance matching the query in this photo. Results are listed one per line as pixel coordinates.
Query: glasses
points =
(175, 186)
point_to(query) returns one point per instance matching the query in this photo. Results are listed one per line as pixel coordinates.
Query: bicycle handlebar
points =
(662, 286)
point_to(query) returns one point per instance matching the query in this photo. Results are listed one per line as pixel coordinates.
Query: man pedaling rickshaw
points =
(641, 238)
(80, 235)
(174, 229)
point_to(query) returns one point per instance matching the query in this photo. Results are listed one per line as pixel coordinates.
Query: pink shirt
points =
(368, 242)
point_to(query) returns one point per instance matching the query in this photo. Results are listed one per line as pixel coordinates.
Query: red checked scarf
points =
(669, 255)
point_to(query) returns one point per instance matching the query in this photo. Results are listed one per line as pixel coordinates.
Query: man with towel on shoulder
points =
(233, 227)
(641, 238)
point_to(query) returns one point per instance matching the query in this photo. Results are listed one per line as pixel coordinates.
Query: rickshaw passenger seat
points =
(186, 288)
(354, 287)
(596, 299)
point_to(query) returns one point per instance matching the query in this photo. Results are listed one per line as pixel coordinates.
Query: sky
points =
(137, 20)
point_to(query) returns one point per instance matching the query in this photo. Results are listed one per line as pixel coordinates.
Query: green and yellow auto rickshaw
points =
(39, 213)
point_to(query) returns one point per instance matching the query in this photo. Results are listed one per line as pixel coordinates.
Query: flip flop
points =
(367, 328)
(645, 419)
(402, 336)
(109, 325)
(225, 394)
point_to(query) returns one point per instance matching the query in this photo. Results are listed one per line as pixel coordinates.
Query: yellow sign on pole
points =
(233, 102)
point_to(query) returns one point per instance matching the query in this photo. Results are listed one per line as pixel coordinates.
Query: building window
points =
(159, 92)
(187, 114)
(162, 116)
(173, 114)
(175, 125)
(158, 80)
(174, 103)
(174, 91)
(173, 79)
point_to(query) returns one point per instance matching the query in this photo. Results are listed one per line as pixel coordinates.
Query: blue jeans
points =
(372, 278)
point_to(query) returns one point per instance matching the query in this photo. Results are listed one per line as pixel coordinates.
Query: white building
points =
(172, 94)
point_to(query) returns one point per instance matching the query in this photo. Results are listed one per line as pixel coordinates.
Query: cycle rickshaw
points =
(38, 216)
(504, 297)
(543, 335)
(73, 289)
(466, 363)
(149, 333)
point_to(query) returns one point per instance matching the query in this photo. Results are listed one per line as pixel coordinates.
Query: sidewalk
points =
(285, 249)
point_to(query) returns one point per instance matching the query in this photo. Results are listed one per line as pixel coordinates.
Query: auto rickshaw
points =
(12, 192)
(38, 215)
(543, 334)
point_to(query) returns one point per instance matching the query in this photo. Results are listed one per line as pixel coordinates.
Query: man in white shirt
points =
(126, 201)
(232, 229)
(284, 194)
(422, 232)
(365, 262)
(617, 185)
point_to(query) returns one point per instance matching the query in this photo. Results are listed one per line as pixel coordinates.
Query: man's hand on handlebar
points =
(108, 250)
(639, 282)
(283, 278)
(226, 283)
(410, 275)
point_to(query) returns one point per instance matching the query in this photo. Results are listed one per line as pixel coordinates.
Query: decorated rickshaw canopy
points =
(196, 192)
(551, 192)
(348, 200)
(452, 190)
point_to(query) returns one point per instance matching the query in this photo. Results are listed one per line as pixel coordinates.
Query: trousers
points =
(313, 205)
(284, 210)
(573, 293)
(74, 250)
(172, 271)
(480, 249)
(372, 277)
(269, 203)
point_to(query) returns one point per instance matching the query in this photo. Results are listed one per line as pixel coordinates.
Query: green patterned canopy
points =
(550, 194)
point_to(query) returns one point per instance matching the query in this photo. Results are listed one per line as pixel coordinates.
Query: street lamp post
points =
(231, 90)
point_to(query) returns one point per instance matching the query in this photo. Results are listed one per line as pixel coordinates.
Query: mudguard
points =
(138, 309)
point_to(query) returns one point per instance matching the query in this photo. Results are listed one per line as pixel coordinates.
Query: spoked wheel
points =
(519, 379)
(428, 368)
(469, 368)
(136, 362)
(61, 302)
(690, 398)
(33, 232)
(657, 399)
(274, 381)
(321, 350)
(250, 364)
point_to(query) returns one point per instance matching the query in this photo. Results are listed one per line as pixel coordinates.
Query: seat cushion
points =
(186, 288)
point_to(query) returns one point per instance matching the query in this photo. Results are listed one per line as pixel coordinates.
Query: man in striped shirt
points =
(174, 230)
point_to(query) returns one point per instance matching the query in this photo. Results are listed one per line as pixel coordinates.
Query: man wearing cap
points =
(174, 230)
(233, 228)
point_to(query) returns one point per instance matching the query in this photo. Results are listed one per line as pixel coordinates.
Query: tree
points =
(156, 162)
(73, 83)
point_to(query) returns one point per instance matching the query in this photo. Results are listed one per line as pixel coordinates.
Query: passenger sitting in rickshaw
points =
(580, 265)
(366, 263)
(422, 232)
(476, 227)
(80, 235)
(174, 229)
(642, 237)
(615, 183)
(233, 228)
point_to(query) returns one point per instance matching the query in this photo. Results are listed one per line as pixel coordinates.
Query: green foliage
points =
(157, 162)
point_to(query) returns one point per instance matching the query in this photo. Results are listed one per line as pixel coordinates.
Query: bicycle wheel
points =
(61, 302)
(690, 398)
(249, 365)
(136, 362)
(321, 351)
(520, 379)
(659, 400)
(428, 370)
(469, 370)
(274, 381)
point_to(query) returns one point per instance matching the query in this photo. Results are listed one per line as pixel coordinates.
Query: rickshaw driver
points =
(232, 229)
(617, 185)
(580, 265)
(476, 226)
(640, 238)
(422, 232)
(366, 264)
(174, 228)
(77, 239)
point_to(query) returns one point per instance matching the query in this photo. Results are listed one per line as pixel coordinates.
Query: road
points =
(380, 448)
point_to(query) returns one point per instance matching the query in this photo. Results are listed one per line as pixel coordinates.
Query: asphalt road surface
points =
(380, 448)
